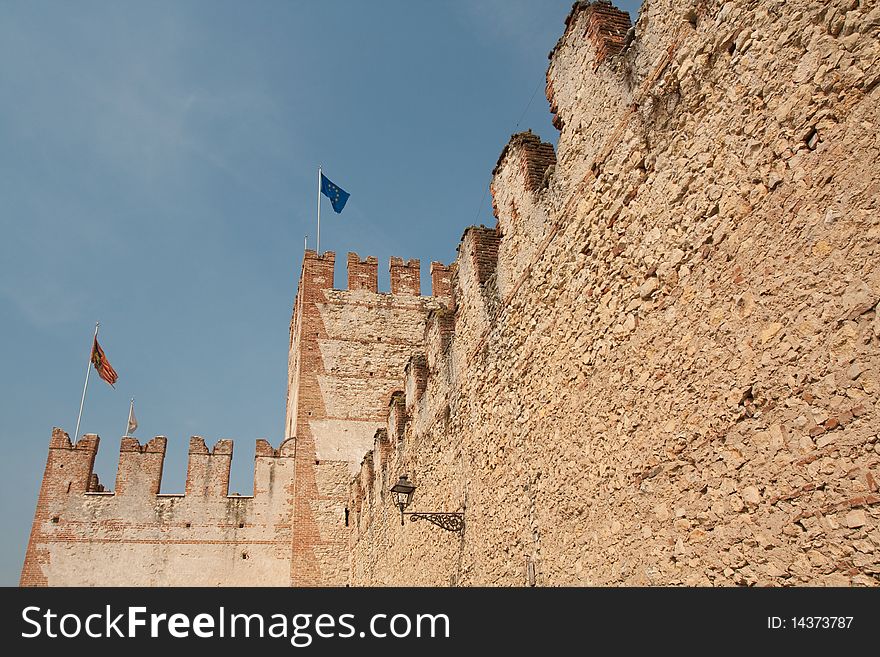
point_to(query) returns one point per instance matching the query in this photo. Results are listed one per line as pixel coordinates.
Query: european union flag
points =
(336, 194)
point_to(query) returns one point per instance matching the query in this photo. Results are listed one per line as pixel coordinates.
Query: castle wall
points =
(525, 164)
(681, 384)
(662, 366)
(85, 536)
(348, 349)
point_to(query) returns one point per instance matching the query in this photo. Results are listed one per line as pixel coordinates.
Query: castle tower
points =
(348, 350)
(86, 535)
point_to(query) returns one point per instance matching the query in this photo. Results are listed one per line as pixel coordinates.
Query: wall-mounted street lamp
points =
(403, 492)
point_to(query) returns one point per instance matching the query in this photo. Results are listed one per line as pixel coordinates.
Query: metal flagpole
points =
(88, 370)
(319, 211)
(128, 421)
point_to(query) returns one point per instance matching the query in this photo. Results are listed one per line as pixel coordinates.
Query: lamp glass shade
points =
(403, 491)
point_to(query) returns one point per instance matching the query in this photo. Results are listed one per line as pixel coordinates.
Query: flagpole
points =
(319, 211)
(128, 421)
(88, 371)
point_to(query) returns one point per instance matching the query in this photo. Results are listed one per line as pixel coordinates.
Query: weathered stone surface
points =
(84, 535)
(348, 351)
(856, 518)
(671, 376)
(751, 495)
(660, 367)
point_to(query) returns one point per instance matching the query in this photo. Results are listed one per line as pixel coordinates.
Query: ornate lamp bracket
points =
(403, 493)
(453, 522)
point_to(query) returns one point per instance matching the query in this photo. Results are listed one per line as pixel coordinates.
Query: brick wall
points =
(348, 350)
(363, 274)
(84, 535)
(660, 367)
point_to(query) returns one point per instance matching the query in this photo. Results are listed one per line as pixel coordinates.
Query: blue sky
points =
(158, 174)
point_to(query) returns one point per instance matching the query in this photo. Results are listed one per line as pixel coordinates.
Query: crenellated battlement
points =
(375, 473)
(594, 31)
(441, 281)
(410, 413)
(672, 338)
(606, 28)
(317, 270)
(405, 276)
(478, 251)
(469, 294)
(672, 327)
(135, 521)
(265, 450)
(363, 274)
(382, 448)
(140, 466)
(519, 184)
(475, 291)
(347, 351)
(397, 417)
(155, 445)
(439, 331)
(531, 158)
(69, 466)
(416, 380)
(60, 440)
(207, 472)
(592, 84)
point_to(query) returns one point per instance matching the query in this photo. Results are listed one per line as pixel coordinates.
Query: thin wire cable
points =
(522, 116)
(480, 206)
(528, 105)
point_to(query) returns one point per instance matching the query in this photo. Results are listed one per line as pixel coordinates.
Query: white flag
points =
(132, 421)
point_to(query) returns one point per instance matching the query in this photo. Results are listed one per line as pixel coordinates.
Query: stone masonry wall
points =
(86, 536)
(662, 366)
(525, 163)
(348, 349)
(677, 381)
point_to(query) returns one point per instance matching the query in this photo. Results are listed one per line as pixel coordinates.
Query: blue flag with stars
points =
(336, 194)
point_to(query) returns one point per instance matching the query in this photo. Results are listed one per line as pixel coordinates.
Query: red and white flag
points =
(99, 360)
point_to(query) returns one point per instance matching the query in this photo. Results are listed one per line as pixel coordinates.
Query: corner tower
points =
(348, 349)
